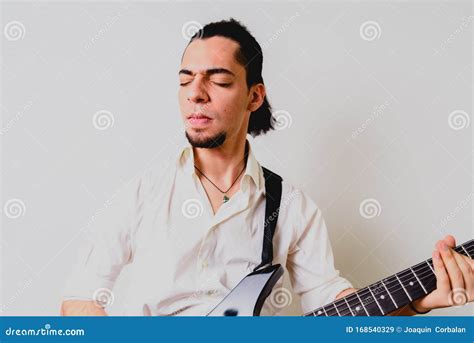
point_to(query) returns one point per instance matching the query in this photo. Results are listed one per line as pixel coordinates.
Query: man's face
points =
(213, 94)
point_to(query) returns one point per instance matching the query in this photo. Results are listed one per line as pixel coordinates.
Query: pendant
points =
(226, 198)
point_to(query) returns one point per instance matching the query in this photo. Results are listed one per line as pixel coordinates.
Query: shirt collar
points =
(253, 171)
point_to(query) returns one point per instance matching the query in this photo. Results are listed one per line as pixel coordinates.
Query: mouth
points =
(197, 115)
(198, 119)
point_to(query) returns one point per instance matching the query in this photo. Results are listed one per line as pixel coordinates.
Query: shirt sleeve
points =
(310, 260)
(106, 246)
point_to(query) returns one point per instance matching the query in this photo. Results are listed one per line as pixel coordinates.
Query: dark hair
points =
(250, 56)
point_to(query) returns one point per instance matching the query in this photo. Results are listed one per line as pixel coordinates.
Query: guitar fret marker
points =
(380, 308)
(390, 295)
(411, 283)
(424, 289)
(409, 297)
(368, 315)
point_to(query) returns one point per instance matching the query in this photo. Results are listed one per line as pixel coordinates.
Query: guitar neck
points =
(389, 294)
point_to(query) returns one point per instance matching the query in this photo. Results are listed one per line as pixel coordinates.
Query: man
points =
(191, 230)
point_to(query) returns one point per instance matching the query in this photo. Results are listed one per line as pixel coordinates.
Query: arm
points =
(81, 308)
(103, 255)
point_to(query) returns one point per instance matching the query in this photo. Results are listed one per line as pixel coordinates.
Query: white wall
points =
(369, 119)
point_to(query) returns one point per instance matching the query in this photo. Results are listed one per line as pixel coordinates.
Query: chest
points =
(215, 196)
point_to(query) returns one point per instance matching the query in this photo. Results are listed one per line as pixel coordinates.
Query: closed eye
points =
(222, 84)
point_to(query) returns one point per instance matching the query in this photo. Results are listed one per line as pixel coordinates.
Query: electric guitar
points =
(377, 299)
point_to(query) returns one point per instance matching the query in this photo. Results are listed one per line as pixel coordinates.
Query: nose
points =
(197, 92)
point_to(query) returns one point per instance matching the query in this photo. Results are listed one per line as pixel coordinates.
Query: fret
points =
(342, 307)
(355, 305)
(336, 309)
(418, 279)
(383, 298)
(352, 312)
(390, 294)
(411, 284)
(368, 315)
(325, 313)
(403, 287)
(369, 302)
(429, 265)
(330, 310)
(376, 301)
(467, 254)
(426, 276)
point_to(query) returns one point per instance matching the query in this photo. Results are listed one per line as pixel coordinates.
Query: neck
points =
(223, 163)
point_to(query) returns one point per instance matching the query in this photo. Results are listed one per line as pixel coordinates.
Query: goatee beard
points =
(209, 142)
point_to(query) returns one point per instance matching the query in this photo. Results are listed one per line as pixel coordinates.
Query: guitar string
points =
(411, 277)
(366, 291)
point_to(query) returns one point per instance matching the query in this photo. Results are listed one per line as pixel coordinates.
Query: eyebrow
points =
(208, 72)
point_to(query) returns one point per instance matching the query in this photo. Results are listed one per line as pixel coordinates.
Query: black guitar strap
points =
(272, 209)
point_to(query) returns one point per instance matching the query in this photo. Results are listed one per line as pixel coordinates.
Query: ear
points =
(256, 96)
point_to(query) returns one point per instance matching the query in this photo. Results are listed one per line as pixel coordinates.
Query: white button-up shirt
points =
(184, 258)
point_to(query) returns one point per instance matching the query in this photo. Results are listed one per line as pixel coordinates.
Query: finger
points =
(442, 277)
(454, 272)
(450, 241)
(466, 272)
(469, 261)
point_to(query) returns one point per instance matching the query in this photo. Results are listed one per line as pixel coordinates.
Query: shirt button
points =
(204, 264)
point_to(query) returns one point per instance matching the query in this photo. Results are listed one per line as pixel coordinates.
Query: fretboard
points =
(389, 294)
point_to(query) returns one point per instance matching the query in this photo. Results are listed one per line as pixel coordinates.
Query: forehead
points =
(214, 52)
